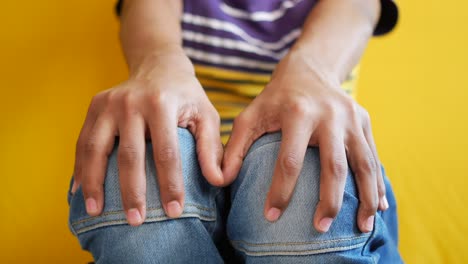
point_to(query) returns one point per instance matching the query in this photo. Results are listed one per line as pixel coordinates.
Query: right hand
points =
(153, 102)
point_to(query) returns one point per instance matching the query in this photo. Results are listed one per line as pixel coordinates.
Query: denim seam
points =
(148, 210)
(147, 220)
(298, 252)
(298, 243)
(72, 229)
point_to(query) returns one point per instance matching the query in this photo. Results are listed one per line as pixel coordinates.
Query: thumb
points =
(209, 150)
(244, 133)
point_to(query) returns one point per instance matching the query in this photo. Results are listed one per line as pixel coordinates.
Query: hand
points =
(153, 102)
(310, 109)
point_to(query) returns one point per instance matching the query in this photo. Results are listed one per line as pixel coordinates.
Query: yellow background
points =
(54, 55)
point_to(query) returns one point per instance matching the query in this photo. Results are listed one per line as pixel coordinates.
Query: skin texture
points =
(303, 100)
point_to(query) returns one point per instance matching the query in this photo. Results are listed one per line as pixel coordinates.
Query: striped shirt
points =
(236, 44)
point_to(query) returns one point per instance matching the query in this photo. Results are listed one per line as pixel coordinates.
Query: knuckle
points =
(300, 108)
(369, 206)
(128, 103)
(290, 165)
(339, 168)
(367, 167)
(107, 100)
(191, 110)
(381, 190)
(91, 147)
(350, 106)
(364, 117)
(156, 100)
(331, 111)
(102, 98)
(206, 114)
(128, 155)
(166, 155)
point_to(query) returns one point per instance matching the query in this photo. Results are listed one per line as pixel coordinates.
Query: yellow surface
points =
(54, 55)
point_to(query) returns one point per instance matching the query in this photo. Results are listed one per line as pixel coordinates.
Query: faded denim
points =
(227, 225)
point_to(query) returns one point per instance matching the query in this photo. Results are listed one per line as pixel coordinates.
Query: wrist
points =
(162, 59)
(313, 64)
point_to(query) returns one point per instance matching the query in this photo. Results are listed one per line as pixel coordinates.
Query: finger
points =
(209, 149)
(363, 165)
(333, 172)
(244, 133)
(294, 143)
(88, 124)
(168, 164)
(131, 162)
(383, 203)
(97, 148)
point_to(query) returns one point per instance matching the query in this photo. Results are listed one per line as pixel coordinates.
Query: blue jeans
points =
(227, 225)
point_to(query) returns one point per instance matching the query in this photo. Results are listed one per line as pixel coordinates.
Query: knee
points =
(199, 194)
(293, 233)
(255, 177)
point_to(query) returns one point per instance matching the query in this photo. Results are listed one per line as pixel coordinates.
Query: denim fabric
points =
(227, 224)
(293, 239)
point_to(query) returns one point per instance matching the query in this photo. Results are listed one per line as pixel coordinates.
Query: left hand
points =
(311, 109)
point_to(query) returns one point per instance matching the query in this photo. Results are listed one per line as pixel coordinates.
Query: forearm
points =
(150, 29)
(335, 34)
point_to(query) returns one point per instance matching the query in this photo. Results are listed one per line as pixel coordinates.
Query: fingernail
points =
(91, 206)
(134, 217)
(273, 214)
(369, 224)
(325, 224)
(385, 202)
(173, 209)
